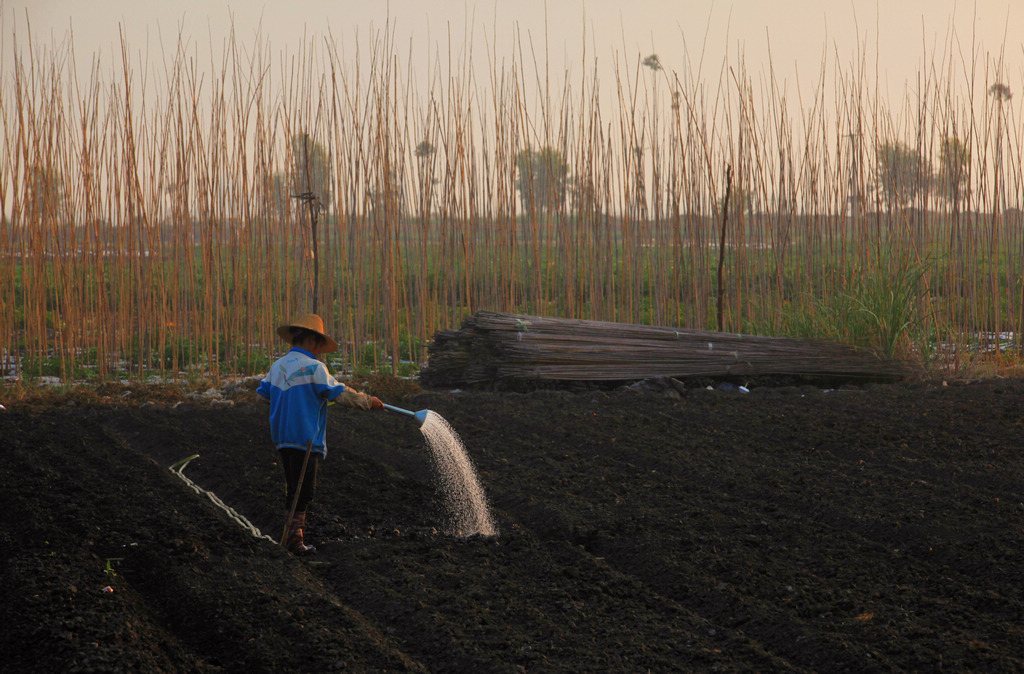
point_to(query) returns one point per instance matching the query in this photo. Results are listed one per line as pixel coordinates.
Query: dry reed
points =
(149, 223)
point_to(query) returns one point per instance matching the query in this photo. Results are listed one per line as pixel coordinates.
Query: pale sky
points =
(905, 34)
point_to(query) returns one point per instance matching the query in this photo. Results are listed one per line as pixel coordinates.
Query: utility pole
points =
(313, 204)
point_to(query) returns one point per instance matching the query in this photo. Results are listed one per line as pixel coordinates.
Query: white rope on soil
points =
(231, 512)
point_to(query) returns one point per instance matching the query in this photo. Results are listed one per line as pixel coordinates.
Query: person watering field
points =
(299, 388)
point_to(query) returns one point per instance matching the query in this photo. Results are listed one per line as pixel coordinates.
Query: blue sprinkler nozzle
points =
(420, 416)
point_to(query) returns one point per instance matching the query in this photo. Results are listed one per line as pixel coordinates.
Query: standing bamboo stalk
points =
(720, 311)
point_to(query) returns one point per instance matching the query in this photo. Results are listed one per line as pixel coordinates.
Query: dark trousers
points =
(291, 460)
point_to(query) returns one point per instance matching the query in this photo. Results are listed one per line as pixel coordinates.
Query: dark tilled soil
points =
(788, 529)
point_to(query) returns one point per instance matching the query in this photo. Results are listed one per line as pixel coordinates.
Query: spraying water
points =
(463, 495)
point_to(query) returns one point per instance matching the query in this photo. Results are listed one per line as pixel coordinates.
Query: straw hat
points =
(310, 322)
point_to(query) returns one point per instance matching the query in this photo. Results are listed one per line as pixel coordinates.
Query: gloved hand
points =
(353, 398)
(375, 403)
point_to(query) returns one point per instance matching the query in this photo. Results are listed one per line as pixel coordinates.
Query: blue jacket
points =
(299, 388)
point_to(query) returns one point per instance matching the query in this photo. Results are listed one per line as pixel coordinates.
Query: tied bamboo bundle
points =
(495, 347)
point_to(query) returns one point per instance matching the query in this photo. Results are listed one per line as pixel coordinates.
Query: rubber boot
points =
(293, 540)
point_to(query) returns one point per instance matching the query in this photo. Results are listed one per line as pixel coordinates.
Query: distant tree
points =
(311, 170)
(425, 149)
(653, 62)
(44, 202)
(425, 152)
(543, 178)
(387, 196)
(45, 191)
(1001, 93)
(311, 181)
(280, 195)
(901, 174)
(637, 205)
(954, 159)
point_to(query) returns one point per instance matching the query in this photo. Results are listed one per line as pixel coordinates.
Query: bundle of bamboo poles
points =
(495, 347)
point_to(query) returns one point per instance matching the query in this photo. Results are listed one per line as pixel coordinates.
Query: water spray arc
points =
(457, 480)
